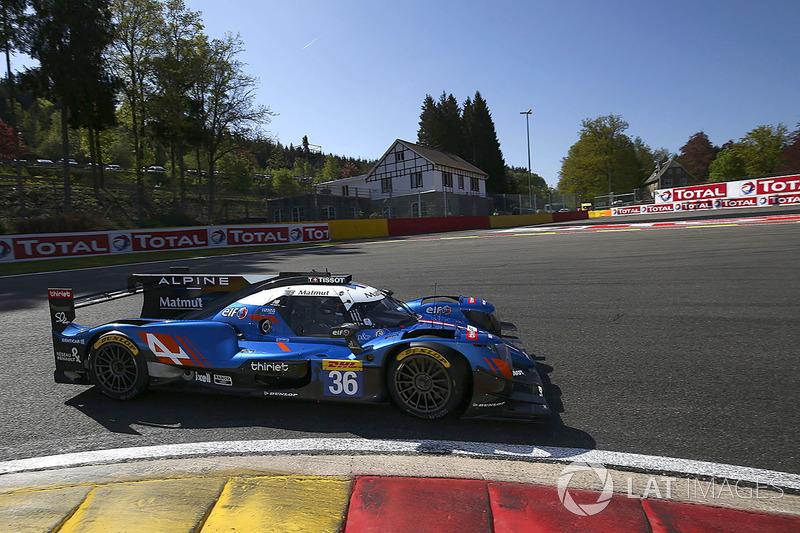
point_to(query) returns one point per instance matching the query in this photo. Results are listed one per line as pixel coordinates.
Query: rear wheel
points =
(117, 367)
(426, 382)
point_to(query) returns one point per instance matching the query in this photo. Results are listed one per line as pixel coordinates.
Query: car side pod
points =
(348, 332)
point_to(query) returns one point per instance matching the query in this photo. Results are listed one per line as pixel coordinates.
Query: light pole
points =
(528, 129)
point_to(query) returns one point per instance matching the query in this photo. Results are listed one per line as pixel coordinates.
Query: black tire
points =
(426, 382)
(117, 367)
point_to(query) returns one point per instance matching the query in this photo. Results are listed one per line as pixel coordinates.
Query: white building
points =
(408, 169)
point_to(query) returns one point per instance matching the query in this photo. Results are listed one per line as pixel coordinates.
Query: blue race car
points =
(304, 335)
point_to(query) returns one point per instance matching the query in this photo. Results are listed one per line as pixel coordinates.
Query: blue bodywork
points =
(231, 346)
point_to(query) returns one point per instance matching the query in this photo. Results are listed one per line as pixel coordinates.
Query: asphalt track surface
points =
(675, 341)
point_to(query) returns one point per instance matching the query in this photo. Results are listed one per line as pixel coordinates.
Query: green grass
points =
(53, 265)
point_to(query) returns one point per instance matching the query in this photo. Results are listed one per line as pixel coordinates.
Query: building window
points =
(400, 156)
(297, 214)
(416, 180)
(386, 184)
(447, 180)
(278, 216)
(474, 184)
(461, 182)
(328, 212)
(666, 182)
(345, 190)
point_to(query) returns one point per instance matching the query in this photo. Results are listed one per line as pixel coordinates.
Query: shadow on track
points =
(179, 413)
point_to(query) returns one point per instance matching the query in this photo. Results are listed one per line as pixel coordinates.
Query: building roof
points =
(438, 159)
(654, 177)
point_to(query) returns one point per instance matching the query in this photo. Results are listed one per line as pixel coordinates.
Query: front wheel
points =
(117, 367)
(427, 383)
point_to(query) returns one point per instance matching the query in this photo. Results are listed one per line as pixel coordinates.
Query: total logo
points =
(121, 243)
(296, 235)
(5, 249)
(666, 196)
(748, 187)
(218, 237)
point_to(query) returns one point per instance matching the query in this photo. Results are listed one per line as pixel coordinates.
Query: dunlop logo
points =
(119, 339)
(341, 365)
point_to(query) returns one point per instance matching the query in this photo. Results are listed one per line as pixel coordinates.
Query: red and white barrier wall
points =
(761, 192)
(57, 245)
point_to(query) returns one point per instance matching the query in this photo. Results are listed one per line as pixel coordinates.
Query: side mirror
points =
(349, 333)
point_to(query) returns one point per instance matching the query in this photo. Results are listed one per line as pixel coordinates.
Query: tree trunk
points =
(93, 157)
(17, 152)
(182, 171)
(211, 217)
(98, 152)
(65, 150)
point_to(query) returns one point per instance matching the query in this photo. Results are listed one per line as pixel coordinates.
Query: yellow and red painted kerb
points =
(279, 503)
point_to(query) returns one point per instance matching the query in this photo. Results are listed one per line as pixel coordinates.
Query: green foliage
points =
(790, 161)
(727, 166)
(517, 182)
(468, 133)
(284, 183)
(604, 159)
(333, 168)
(83, 221)
(761, 149)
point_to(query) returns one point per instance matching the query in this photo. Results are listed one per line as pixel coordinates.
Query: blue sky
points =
(352, 74)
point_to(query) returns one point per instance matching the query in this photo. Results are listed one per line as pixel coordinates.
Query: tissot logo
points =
(326, 279)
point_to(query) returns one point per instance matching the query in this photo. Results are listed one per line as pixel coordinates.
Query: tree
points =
(762, 148)
(137, 27)
(727, 166)
(647, 158)
(230, 110)
(332, 170)
(176, 67)
(69, 39)
(10, 146)
(429, 131)
(790, 160)
(697, 154)
(468, 133)
(602, 160)
(482, 148)
(12, 23)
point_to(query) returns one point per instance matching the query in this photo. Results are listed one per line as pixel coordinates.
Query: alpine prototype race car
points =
(312, 335)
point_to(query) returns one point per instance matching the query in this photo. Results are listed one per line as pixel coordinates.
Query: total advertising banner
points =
(761, 192)
(58, 245)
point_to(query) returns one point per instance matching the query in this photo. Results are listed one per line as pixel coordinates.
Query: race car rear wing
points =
(179, 292)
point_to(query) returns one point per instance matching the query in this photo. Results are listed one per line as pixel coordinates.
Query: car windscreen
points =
(384, 313)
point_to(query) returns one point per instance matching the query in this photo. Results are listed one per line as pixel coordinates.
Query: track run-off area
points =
(666, 338)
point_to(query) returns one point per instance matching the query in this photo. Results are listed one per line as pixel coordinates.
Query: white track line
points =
(645, 463)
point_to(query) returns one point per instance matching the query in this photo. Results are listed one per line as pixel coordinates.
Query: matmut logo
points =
(702, 192)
